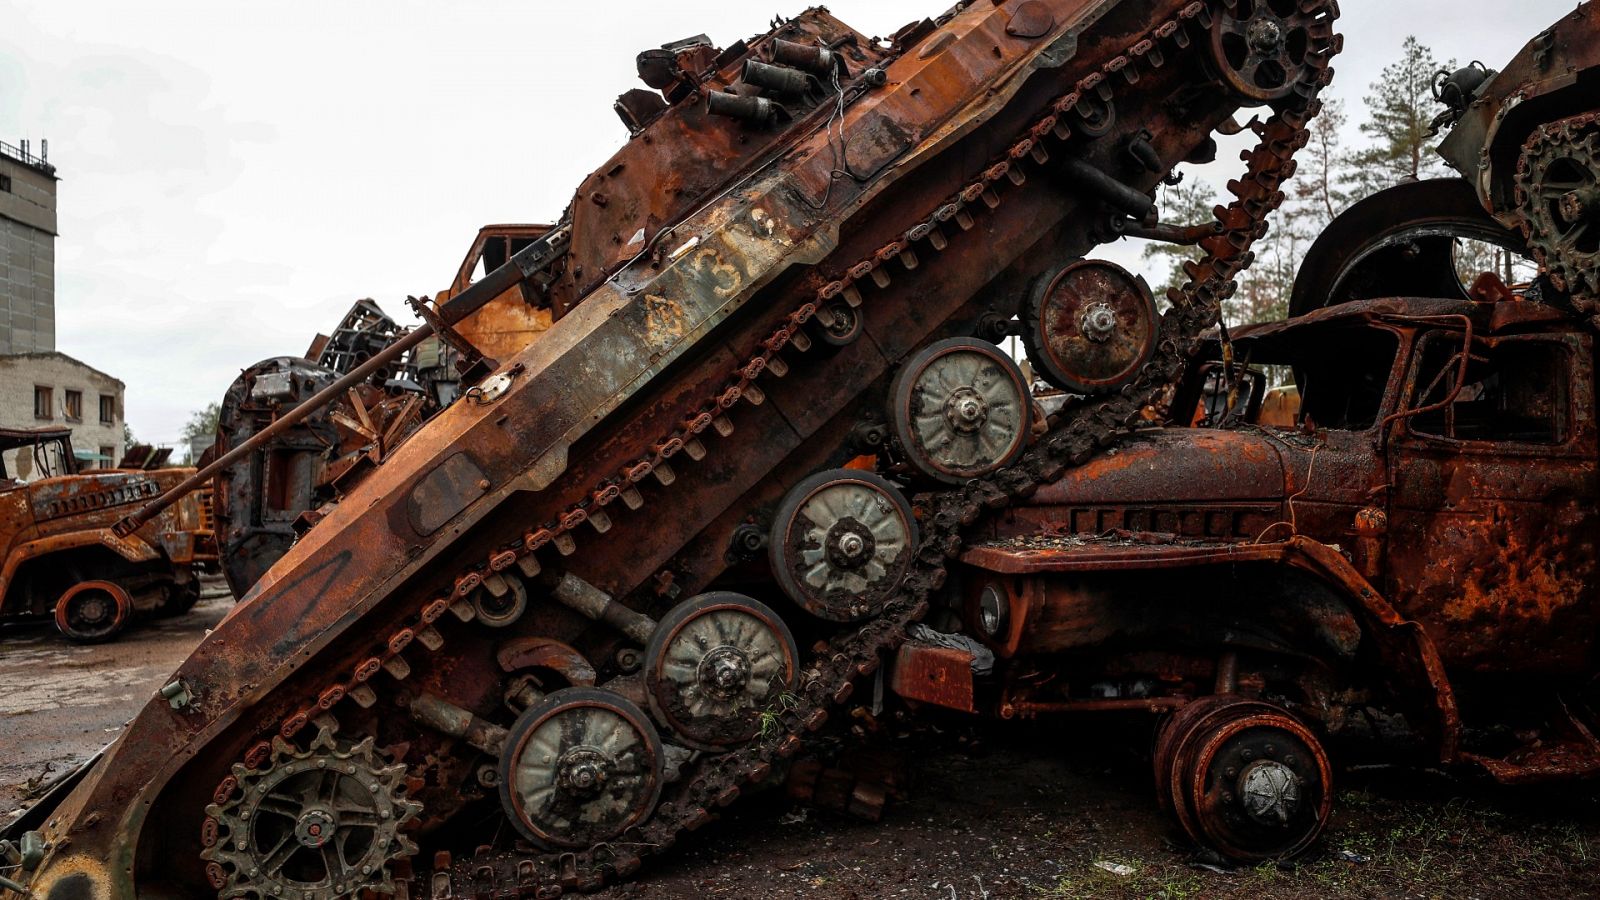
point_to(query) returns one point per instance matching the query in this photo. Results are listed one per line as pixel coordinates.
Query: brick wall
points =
(20, 374)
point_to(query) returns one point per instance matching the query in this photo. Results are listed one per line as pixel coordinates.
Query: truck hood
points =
(1176, 465)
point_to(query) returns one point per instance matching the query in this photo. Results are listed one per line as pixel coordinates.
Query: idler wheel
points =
(841, 543)
(580, 767)
(1091, 328)
(1249, 780)
(91, 612)
(1261, 48)
(715, 664)
(961, 410)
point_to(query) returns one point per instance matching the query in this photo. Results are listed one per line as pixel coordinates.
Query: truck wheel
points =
(180, 599)
(1249, 780)
(1181, 727)
(91, 612)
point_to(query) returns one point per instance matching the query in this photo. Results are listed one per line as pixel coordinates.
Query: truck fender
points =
(132, 548)
(1402, 643)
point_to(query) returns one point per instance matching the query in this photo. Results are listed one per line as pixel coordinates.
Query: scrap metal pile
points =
(614, 586)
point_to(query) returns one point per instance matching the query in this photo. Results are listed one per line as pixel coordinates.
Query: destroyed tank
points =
(617, 583)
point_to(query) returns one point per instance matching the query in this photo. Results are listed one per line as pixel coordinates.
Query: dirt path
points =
(62, 702)
(1010, 812)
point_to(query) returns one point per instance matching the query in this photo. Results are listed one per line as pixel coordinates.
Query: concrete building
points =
(38, 384)
(55, 389)
(27, 250)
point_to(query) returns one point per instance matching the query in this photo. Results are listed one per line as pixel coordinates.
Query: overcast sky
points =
(235, 175)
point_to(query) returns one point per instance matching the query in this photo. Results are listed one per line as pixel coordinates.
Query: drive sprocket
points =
(318, 824)
(1558, 202)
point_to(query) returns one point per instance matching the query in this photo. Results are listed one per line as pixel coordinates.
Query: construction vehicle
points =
(59, 557)
(620, 579)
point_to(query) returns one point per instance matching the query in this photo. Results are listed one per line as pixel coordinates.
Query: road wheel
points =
(580, 767)
(91, 612)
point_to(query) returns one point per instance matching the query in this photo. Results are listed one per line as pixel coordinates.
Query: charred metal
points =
(592, 552)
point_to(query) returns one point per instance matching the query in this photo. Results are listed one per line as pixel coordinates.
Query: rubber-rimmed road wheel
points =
(1090, 328)
(92, 612)
(580, 767)
(716, 663)
(961, 410)
(842, 541)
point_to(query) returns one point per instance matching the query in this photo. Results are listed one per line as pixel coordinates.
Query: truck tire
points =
(180, 599)
(92, 612)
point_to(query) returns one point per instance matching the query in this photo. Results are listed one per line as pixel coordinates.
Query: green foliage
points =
(1400, 110)
(201, 427)
(1189, 202)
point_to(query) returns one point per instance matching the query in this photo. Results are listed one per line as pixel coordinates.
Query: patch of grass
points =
(771, 723)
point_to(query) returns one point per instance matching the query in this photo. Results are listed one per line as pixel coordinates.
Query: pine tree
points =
(1400, 109)
(1190, 203)
(1321, 187)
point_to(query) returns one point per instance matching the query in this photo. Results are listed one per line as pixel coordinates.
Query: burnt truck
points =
(1420, 544)
(60, 558)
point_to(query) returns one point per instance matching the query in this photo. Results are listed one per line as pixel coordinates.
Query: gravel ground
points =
(1039, 812)
(991, 811)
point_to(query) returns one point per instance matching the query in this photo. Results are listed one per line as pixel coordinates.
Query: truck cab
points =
(60, 558)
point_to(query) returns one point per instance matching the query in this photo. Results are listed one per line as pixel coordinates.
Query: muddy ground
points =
(1016, 811)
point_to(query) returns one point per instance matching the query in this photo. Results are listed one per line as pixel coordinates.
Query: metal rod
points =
(1110, 191)
(1227, 680)
(288, 420)
(1186, 235)
(583, 597)
(446, 717)
(532, 258)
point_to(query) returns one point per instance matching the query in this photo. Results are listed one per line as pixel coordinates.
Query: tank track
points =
(828, 678)
(1575, 137)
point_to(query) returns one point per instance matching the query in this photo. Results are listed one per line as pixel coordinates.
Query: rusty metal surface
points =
(939, 676)
(626, 401)
(1461, 529)
(1555, 76)
(55, 533)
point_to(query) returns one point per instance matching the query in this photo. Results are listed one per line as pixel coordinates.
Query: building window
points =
(5, 183)
(73, 404)
(108, 409)
(110, 454)
(43, 403)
